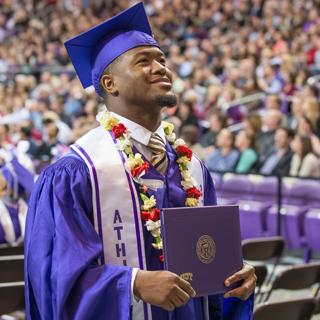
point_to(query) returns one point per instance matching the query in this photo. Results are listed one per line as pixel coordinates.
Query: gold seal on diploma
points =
(206, 249)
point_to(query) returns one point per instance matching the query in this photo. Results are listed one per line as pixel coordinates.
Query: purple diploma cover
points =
(202, 245)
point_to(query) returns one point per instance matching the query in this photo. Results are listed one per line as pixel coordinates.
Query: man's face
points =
(224, 139)
(142, 78)
(281, 139)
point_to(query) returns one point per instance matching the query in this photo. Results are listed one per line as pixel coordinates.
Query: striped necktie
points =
(159, 157)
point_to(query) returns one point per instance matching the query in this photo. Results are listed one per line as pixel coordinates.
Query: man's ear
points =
(109, 85)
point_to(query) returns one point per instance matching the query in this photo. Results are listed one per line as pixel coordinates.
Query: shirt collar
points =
(138, 132)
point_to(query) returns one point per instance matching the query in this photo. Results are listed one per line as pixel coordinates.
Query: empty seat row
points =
(258, 200)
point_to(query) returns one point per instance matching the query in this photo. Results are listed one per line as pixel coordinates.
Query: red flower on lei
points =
(154, 215)
(135, 172)
(184, 151)
(193, 193)
(118, 130)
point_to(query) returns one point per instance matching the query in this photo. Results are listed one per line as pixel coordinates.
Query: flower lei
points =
(137, 168)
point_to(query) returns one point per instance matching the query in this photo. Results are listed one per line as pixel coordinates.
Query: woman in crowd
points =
(186, 114)
(224, 158)
(304, 162)
(248, 157)
(310, 107)
(253, 124)
(305, 127)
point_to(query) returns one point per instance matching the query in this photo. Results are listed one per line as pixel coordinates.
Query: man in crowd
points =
(94, 215)
(271, 122)
(278, 161)
(224, 158)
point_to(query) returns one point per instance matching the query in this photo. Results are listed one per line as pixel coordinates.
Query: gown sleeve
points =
(233, 308)
(62, 277)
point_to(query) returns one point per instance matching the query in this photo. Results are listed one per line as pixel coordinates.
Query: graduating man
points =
(93, 242)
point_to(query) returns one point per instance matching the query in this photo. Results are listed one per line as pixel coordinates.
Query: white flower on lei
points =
(107, 120)
(124, 144)
(187, 180)
(187, 184)
(184, 161)
(158, 246)
(192, 202)
(153, 225)
(149, 203)
(179, 142)
(168, 127)
(172, 137)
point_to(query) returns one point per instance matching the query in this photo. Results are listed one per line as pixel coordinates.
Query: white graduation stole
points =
(7, 224)
(116, 204)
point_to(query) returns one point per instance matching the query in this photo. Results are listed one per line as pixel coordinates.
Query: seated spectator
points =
(26, 136)
(271, 82)
(64, 132)
(217, 122)
(248, 156)
(305, 127)
(190, 134)
(310, 107)
(51, 149)
(296, 112)
(304, 162)
(273, 102)
(252, 124)
(186, 114)
(225, 157)
(265, 142)
(278, 161)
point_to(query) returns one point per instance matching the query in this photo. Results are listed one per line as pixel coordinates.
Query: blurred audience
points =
(250, 65)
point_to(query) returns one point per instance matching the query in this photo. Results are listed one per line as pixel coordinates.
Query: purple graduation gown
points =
(62, 277)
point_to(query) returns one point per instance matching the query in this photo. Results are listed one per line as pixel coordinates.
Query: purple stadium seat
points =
(313, 195)
(264, 188)
(251, 219)
(299, 195)
(298, 191)
(292, 224)
(312, 229)
(235, 187)
(253, 210)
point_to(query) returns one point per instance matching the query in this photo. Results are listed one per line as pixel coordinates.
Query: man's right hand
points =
(163, 289)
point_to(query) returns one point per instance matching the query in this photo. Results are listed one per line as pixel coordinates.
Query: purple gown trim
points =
(202, 168)
(145, 309)
(95, 179)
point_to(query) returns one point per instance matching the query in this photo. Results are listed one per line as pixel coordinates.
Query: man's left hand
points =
(248, 278)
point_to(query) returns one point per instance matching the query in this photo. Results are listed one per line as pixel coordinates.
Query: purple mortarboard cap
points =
(92, 51)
